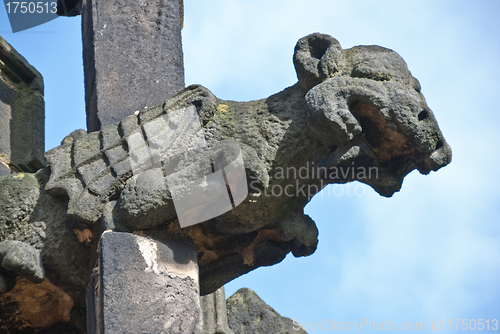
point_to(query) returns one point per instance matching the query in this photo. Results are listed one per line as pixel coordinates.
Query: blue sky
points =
(430, 252)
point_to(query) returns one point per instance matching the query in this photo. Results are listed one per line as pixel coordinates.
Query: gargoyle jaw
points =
(440, 157)
(391, 176)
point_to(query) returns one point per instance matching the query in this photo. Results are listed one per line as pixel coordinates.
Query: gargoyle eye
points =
(423, 115)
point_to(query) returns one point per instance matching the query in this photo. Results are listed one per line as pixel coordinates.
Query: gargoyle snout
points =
(440, 157)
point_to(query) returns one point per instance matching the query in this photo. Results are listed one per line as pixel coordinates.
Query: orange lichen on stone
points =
(83, 236)
(206, 243)
(385, 143)
(248, 253)
(41, 305)
(208, 257)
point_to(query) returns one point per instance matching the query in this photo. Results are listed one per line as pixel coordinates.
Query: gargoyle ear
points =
(316, 59)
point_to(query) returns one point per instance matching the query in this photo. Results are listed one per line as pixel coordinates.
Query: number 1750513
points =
(25, 7)
(473, 324)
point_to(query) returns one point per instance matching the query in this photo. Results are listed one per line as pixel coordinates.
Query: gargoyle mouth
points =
(390, 146)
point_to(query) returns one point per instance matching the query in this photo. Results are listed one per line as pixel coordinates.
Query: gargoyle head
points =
(365, 103)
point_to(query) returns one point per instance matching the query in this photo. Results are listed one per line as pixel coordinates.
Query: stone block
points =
(128, 125)
(22, 113)
(92, 171)
(60, 161)
(143, 40)
(116, 154)
(123, 167)
(110, 136)
(145, 286)
(86, 148)
(104, 185)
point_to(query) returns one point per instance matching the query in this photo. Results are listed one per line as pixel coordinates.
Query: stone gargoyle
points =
(352, 111)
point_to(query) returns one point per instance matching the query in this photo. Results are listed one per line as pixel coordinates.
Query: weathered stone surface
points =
(74, 8)
(316, 58)
(377, 123)
(40, 226)
(70, 139)
(92, 169)
(146, 286)
(215, 313)
(248, 314)
(20, 241)
(369, 117)
(22, 259)
(18, 197)
(22, 113)
(144, 203)
(144, 40)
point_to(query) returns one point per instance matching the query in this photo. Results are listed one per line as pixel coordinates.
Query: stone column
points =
(132, 56)
(215, 313)
(22, 114)
(142, 285)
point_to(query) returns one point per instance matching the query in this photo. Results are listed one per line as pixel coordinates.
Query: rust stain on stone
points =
(41, 305)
